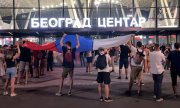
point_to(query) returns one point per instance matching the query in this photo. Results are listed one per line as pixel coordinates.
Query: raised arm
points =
(77, 39)
(18, 53)
(62, 39)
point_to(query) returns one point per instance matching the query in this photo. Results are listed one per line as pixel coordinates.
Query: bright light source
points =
(129, 15)
(43, 7)
(52, 6)
(117, 2)
(61, 4)
(47, 6)
(140, 37)
(34, 9)
(65, 3)
(96, 3)
(56, 5)
(112, 1)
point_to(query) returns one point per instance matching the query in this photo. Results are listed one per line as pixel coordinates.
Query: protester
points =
(103, 60)
(2, 64)
(157, 69)
(25, 57)
(11, 70)
(68, 63)
(166, 53)
(36, 62)
(112, 53)
(82, 54)
(124, 54)
(174, 59)
(89, 57)
(50, 61)
(137, 62)
(43, 63)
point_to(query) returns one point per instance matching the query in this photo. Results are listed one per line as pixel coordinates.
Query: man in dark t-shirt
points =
(25, 58)
(124, 54)
(68, 63)
(174, 58)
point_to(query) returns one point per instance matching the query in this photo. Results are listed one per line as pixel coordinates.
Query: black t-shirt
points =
(9, 61)
(25, 54)
(73, 51)
(125, 50)
(50, 56)
(112, 52)
(174, 58)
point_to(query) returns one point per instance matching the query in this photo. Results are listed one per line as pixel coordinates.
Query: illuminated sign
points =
(86, 22)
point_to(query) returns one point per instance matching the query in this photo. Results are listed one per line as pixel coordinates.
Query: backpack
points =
(101, 62)
(138, 57)
(68, 57)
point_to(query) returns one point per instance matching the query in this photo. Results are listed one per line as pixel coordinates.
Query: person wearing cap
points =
(102, 61)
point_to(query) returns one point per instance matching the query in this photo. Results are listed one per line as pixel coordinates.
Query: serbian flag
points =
(86, 44)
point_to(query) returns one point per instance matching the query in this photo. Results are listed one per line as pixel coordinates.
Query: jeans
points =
(157, 84)
(50, 65)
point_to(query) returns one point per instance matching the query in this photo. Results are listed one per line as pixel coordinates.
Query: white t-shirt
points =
(133, 53)
(108, 58)
(156, 62)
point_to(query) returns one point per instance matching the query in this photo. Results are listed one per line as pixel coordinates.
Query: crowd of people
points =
(18, 61)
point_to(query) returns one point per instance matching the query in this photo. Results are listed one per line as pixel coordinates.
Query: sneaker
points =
(159, 100)
(119, 77)
(69, 93)
(59, 94)
(108, 99)
(135, 82)
(126, 78)
(5, 93)
(13, 95)
(142, 83)
(101, 99)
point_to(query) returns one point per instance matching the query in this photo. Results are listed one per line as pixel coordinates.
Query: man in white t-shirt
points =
(156, 68)
(103, 61)
(137, 63)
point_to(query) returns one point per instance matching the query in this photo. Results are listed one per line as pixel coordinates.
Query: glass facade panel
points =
(26, 3)
(25, 10)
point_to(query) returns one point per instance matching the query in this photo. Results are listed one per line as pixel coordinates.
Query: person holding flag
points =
(68, 62)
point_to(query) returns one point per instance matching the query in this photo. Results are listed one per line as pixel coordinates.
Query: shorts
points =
(174, 78)
(123, 62)
(89, 59)
(103, 77)
(67, 71)
(23, 66)
(136, 72)
(11, 72)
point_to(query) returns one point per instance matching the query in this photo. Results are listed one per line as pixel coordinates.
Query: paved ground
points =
(39, 93)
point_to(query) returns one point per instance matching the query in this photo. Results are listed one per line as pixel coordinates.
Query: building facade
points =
(43, 20)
